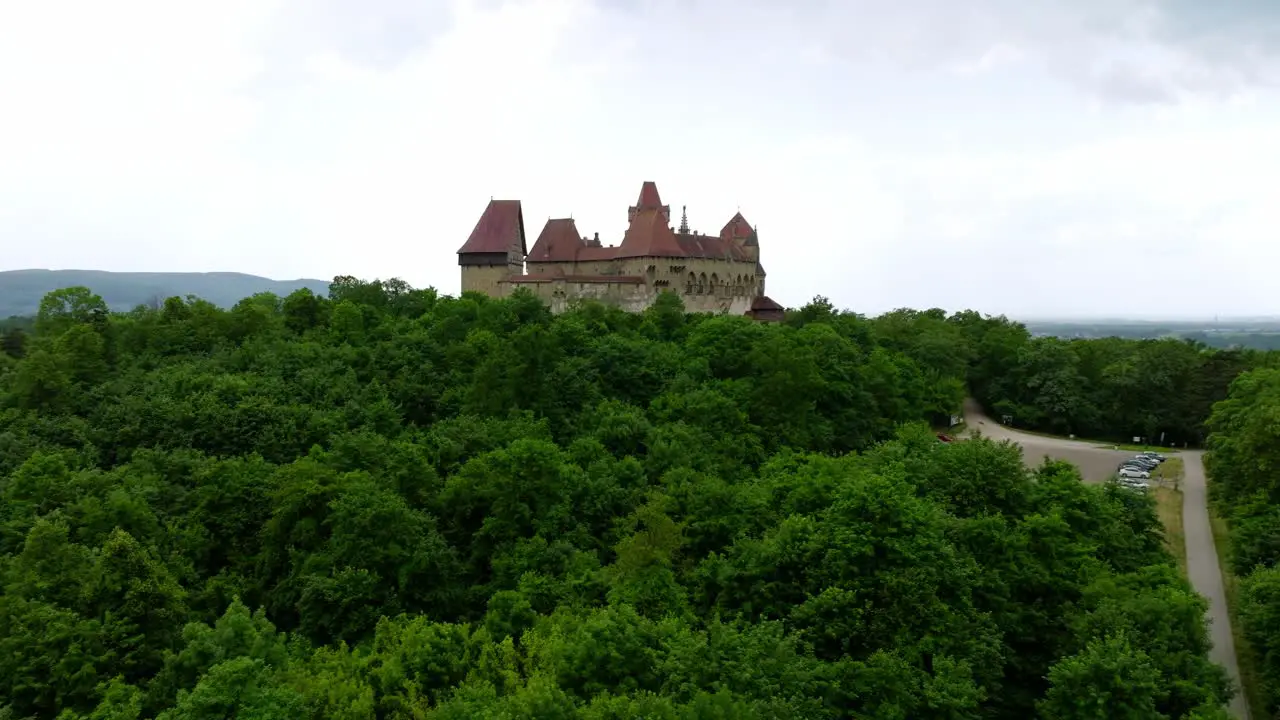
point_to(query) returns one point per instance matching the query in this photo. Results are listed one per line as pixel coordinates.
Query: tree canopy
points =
(1244, 464)
(387, 503)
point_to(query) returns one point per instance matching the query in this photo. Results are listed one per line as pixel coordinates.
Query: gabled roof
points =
(737, 228)
(500, 226)
(559, 241)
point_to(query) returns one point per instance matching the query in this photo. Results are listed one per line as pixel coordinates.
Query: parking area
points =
(1097, 464)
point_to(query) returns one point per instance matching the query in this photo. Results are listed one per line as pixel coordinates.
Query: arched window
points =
(702, 283)
(737, 285)
(714, 288)
(690, 284)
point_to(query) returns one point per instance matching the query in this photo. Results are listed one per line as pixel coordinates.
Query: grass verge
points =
(1171, 471)
(1244, 653)
(1169, 509)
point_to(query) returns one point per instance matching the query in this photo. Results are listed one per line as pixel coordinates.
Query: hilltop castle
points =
(711, 273)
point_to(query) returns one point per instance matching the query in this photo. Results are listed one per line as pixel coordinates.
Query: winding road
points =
(1096, 465)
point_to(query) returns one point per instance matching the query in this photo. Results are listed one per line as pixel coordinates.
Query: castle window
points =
(714, 288)
(702, 283)
(690, 284)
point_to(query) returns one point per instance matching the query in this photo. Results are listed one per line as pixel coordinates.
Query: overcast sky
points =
(1025, 157)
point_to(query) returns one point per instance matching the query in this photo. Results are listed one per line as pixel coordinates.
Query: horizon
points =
(1070, 319)
(1079, 159)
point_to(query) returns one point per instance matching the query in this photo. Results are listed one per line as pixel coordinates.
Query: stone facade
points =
(715, 274)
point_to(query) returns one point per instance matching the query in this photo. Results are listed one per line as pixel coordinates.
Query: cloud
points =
(1009, 156)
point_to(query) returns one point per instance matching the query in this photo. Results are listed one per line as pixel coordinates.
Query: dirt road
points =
(1097, 464)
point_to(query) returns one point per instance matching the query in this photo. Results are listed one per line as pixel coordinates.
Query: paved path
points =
(1204, 573)
(1097, 464)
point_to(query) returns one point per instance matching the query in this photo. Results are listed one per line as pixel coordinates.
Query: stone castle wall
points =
(485, 279)
(560, 294)
(686, 276)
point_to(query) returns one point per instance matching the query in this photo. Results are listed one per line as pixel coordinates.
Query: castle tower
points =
(495, 249)
(740, 232)
(649, 200)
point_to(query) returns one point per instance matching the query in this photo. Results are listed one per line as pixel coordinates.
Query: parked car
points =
(1135, 485)
(1139, 463)
(945, 437)
(1133, 472)
(1154, 456)
(1140, 460)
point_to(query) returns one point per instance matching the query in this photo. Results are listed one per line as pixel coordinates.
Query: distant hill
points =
(21, 290)
(1258, 333)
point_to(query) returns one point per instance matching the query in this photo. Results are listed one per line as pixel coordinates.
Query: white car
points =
(1135, 485)
(1133, 472)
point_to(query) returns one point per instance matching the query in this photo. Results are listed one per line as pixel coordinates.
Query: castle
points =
(716, 274)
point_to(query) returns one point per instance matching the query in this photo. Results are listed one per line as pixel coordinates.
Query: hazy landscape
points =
(21, 290)
(1257, 333)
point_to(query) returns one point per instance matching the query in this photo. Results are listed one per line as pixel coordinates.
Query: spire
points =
(684, 219)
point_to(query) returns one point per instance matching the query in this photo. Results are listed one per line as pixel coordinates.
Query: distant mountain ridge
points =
(21, 290)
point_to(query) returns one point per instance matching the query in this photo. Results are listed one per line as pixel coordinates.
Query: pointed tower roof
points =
(559, 241)
(649, 199)
(500, 226)
(649, 235)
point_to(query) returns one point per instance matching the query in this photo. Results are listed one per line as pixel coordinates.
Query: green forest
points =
(389, 503)
(1244, 460)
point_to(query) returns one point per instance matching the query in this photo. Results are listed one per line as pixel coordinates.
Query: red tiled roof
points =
(559, 241)
(764, 302)
(706, 246)
(737, 228)
(649, 199)
(626, 279)
(597, 253)
(649, 235)
(501, 226)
